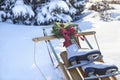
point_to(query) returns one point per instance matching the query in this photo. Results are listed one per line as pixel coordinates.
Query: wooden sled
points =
(75, 73)
(78, 73)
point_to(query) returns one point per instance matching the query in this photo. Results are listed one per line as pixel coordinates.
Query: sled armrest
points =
(51, 37)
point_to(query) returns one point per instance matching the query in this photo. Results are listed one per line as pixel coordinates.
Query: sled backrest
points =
(51, 37)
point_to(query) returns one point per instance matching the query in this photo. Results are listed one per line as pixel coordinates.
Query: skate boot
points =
(98, 68)
(89, 55)
(75, 54)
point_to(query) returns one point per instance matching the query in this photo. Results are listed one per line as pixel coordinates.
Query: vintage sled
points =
(75, 73)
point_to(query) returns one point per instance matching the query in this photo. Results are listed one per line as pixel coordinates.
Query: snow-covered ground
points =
(17, 48)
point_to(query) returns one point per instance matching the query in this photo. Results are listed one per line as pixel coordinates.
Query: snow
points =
(47, 14)
(64, 17)
(20, 9)
(79, 3)
(16, 42)
(40, 18)
(17, 48)
(59, 5)
(72, 10)
(44, 10)
(2, 14)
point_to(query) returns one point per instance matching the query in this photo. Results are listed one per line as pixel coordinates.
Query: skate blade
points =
(102, 76)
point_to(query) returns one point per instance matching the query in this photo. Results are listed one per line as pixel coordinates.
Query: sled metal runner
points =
(102, 76)
(82, 64)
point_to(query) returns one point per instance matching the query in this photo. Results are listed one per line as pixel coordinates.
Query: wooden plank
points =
(73, 72)
(113, 78)
(44, 38)
(54, 37)
(62, 67)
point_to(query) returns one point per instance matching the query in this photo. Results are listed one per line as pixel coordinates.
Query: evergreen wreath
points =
(66, 31)
(62, 29)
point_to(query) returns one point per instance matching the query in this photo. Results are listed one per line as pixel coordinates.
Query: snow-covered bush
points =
(41, 12)
(77, 6)
(22, 12)
(102, 8)
(39, 19)
(99, 6)
(59, 11)
(6, 6)
(115, 1)
(2, 16)
(51, 12)
(60, 6)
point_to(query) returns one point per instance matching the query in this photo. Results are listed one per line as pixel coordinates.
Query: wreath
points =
(66, 31)
(61, 29)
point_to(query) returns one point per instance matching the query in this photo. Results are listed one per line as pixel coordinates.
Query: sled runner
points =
(76, 72)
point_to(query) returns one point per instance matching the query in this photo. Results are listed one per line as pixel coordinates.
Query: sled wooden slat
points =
(73, 72)
(54, 37)
(113, 78)
(44, 38)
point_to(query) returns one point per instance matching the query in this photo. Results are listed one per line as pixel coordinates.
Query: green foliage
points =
(57, 27)
(58, 12)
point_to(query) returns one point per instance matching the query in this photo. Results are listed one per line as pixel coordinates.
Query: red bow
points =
(67, 33)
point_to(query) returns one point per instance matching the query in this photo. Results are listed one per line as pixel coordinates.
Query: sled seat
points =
(74, 74)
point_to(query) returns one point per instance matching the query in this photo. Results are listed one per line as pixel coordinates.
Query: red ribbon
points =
(67, 33)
